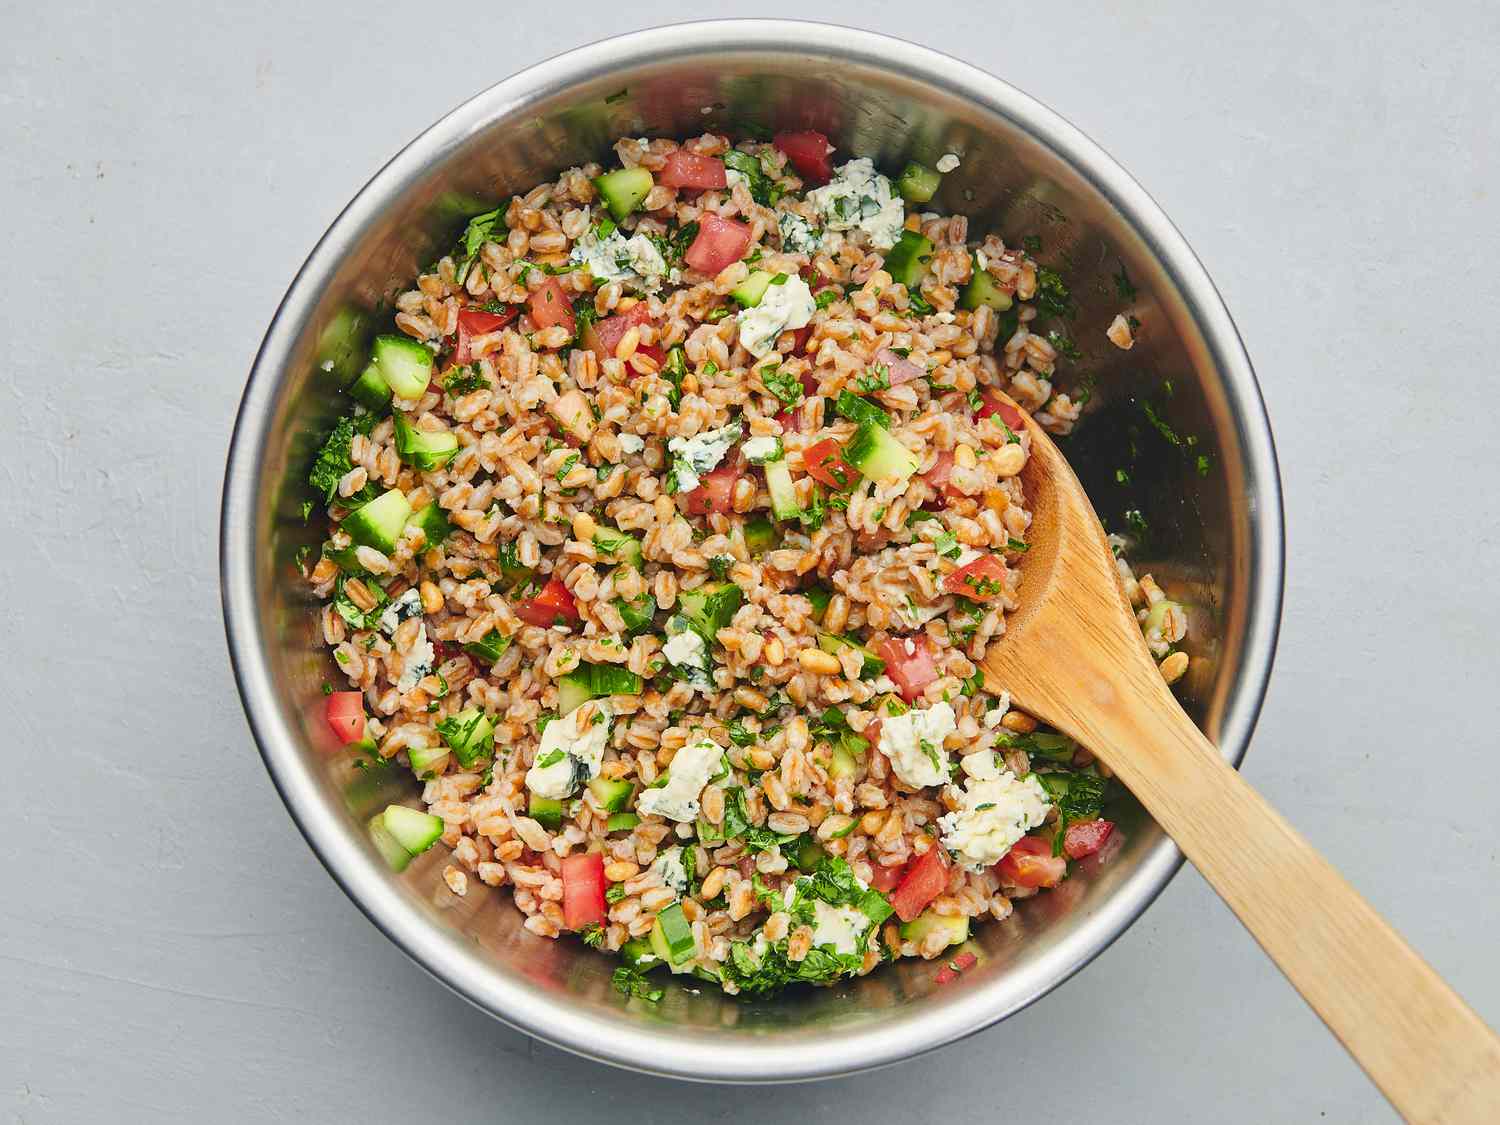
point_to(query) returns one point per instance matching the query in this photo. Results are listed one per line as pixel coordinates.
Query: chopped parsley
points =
(825, 298)
(786, 387)
(719, 566)
(947, 546)
(877, 378)
(1052, 294)
(333, 458)
(632, 982)
(476, 234)
(465, 380)
(567, 466)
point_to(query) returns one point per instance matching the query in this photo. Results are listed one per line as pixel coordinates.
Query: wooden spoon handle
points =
(1427, 1050)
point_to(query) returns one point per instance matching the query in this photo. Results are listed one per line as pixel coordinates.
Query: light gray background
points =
(171, 949)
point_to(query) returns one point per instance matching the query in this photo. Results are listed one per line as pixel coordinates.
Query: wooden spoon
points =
(1074, 657)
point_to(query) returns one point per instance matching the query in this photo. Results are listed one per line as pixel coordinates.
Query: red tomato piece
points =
(789, 420)
(477, 322)
(938, 475)
(583, 890)
(721, 242)
(908, 661)
(554, 600)
(824, 462)
(550, 306)
(980, 580)
(1085, 837)
(345, 712)
(715, 491)
(959, 964)
(898, 368)
(991, 404)
(887, 879)
(809, 153)
(689, 170)
(1031, 864)
(799, 347)
(603, 337)
(925, 879)
(654, 352)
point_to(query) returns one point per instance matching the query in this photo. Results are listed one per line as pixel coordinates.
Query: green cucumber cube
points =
(380, 522)
(624, 189)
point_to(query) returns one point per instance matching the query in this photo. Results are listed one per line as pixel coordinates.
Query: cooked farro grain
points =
(672, 567)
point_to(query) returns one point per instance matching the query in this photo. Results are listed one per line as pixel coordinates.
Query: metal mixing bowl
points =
(1176, 450)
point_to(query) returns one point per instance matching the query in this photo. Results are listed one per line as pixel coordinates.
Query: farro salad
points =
(666, 537)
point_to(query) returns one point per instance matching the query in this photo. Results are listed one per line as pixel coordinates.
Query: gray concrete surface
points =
(170, 949)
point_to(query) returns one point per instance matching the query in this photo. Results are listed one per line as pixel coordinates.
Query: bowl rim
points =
(575, 1030)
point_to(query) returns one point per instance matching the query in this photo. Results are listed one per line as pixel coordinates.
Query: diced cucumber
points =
(621, 822)
(434, 524)
(857, 409)
(637, 614)
(422, 449)
(955, 926)
(809, 854)
(470, 735)
(918, 183)
(873, 666)
(415, 831)
(623, 189)
(820, 596)
(672, 936)
(638, 954)
(370, 390)
(878, 455)
(490, 648)
(613, 544)
(906, 261)
(546, 811)
(613, 796)
(843, 762)
(749, 292)
(379, 523)
(711, 606)
(783, 492)
(424, 759)
(404, 364)
(512, 572)
(573, 690)
(1051, 745)
(982, 290)
(395, 856)
(760, 535)
(613, 679)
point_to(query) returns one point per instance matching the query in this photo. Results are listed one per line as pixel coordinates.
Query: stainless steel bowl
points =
(1214, 537)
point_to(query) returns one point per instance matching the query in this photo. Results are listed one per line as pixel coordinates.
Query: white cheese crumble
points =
(785, 306)
(695, 456)
(407, 605)
(860, 198)
(914, 744)
(670, 867)
(994, 813)
(798, 236)
(417, 662)
(687, 650)
(733, 176)
(632, 443)
(633, 261)
(839, 926)
(947, 162)
(689, 772)
(762, 448)
(571, 752)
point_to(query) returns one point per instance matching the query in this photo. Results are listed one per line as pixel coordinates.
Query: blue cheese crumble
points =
(633, 261)
(798, 236)
(763, 448)
(860, 198)
(785, 306)
(407, 605)
(689, 772)
(673, 873)
(417, 662)
(694, 456)
(571, 752)
(688, 652)
(996, 808)
(913, 742)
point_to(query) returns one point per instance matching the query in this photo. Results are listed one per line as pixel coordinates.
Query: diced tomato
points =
(938, 475)
(809, 152)
(550, 306)
(790, 420)
(603, 336)
(908, 661)
(824, 462)
(1031, 864)
(656, 354)
(799, 347)
(925, 879)
(345, 712)
(992, 404)
(962, 963)
(887, 879)
(898, 368)
(554, 600)
(715, 491)
(689, 170)
(477, 322)
(583, 890)
(809, 383)
(444, 651)
(980, 580)
(721, 242)
(1085, 837)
